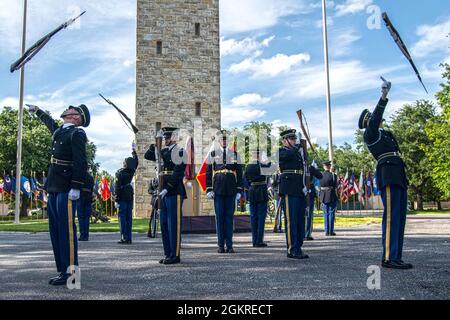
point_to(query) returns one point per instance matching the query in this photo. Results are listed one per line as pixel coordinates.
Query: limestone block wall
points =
(177, 80)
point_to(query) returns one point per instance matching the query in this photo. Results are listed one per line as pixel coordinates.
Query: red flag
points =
(189, 173)
(345, 189)
(201, 176)
(104, 187)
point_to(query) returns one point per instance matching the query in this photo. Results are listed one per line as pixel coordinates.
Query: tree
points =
(36, 146)
(438, 131)
(408, 126)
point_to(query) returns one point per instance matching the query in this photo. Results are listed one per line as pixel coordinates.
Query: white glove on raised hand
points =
(163, 193)
(314, 165)
(32, 108)
(210, 195)
(74, 194)
(133, 146)
(238, 196)
(116, 205)
(385, 87)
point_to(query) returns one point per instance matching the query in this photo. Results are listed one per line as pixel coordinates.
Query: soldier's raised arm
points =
(51, 124)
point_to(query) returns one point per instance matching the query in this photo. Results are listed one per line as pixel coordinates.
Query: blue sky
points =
(272, 61)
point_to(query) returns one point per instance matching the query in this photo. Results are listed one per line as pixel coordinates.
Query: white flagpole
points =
(19, 130)
(327, 72)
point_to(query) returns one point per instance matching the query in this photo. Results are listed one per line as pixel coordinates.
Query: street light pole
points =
(327, 72)
(20, 124)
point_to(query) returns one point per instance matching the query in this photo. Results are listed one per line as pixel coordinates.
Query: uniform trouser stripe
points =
(178, 225)
(288, 227)
(71, 245)
(388, 223)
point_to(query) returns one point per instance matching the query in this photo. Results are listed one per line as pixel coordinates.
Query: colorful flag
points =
(189, 173)
(369, 190)
(344, 194)
(376, 191)
(361, 188)
(351, 186)
(1, 185)
(104, 189)
(25, 186)
(201, 175)
(7, 184)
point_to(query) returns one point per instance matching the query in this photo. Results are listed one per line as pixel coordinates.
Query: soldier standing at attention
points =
(391, 179)
(328, 198)
(293, 190)
(224, 185)
(66, 177)
(172, 195)
(123, 193)
(258, 198)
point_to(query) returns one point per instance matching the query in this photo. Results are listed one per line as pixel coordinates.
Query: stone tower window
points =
(158, 47)
(198, 109)
(197, 29)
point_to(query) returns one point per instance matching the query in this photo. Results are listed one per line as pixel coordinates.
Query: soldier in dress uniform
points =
(173, 193)
(293, 191)
(84, 207)
(391, 180)
(258, 197)
(328, 198)
(224, 185)
(124, 193)
(65, 180)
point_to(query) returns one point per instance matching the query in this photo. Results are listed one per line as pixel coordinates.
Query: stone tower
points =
(177, 84)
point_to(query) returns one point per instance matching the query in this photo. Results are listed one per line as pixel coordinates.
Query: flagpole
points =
(327, 72)
(19, 130)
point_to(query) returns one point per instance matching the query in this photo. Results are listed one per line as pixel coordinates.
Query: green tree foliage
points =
(438, 131)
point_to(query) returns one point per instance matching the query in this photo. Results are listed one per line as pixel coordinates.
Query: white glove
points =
(133, 146)
(32, 108)
(299, 137)
(385, 87)
(116, 205)
(163, 193)
(74, 194)
(210, 195)
(238, 196)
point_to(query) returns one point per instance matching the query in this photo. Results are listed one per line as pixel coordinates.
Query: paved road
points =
(336, 268)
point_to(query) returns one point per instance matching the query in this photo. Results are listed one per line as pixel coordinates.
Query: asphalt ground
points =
(337, 268)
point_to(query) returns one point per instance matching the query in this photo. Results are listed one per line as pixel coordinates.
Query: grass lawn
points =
(141, 225)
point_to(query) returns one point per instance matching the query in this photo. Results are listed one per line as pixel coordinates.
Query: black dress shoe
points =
(261, 245)
(55, 278)
(230, 250)
(128, 242)
(61, 281)
(298, 256)
(83, 239)
(408, 265)
(309, 239)
(332, 234)
(121, 241)
(221, 250)
(394, 265)
(162, 260)
(173, 260)
(327, 234)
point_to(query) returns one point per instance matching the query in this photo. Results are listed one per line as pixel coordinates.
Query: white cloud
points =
(352, 7)
(433, 38)
(238, 16)
(346, 77)
(342, 41)
(261, 68)
(243, 47)
(232, 116)
(249, 99)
